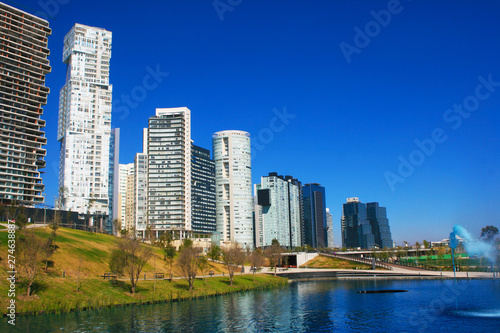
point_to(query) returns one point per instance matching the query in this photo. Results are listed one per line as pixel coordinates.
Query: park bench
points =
(108, 275)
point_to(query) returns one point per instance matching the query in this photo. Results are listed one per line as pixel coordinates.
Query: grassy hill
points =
(55, 290)
(334, 263)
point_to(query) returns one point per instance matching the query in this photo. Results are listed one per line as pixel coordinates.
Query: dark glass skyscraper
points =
(380, 224)
(202, 190)
(314, 228)
(356, 229)
(114, 166)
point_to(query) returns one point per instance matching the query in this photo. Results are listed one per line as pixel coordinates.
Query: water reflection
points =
(302, 307)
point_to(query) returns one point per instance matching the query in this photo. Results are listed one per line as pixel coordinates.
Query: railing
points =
(360, 260)
(459, 268)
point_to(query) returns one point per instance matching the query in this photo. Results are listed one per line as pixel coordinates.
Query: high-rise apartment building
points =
(129, 200)
(124, 171)
(356, 229)
(140, 203)
(202, 190)
(278, 211)
(314, 227)
(233, 187)
(85, 120)
(169, 171)
(380, 224)
(23, 66)
(329, 228)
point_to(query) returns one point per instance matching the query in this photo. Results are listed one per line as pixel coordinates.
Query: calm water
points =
(319, 306)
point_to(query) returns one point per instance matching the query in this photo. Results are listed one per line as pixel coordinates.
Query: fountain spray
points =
(472, 246)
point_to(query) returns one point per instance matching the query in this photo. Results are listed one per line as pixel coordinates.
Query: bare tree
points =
(232, 256)
(189, 262)
(130, 257)
(29, 255)
(256, 259)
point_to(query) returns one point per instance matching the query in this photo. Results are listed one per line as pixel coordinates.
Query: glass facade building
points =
(314, 227)
(202, 190)
(356, 229)
(278, 211)
(380, 224)
(114, 173)
(329, 228)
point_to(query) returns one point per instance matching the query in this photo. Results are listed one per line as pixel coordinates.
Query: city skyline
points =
(383, 126)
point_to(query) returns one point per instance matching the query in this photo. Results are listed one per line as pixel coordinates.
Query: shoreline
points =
(146, 298)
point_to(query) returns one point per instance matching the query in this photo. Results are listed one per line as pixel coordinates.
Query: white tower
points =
(85, 120)
(233, 187)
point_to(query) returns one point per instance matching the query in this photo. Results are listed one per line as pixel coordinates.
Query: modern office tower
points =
(278, 211)
(140, 202)
(314, 215)
(85, 120)
(233, 187)
(329, 228)
(125, 171)
(169, 171)
(23, 66)
(114, 171)
(380, 224)
(356, 229)
(202, 190)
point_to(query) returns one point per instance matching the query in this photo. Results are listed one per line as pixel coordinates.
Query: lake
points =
(312, 306)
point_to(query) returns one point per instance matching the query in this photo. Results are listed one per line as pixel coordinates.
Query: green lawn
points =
(55, 290)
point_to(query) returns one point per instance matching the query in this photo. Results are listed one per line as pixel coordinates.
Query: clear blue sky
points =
(352, 119)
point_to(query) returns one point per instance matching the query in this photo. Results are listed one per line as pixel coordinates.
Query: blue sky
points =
(352, 115)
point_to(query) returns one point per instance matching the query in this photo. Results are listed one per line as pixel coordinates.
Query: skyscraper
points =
(125, 171)
(203, 190)
(356, 229)
(23, 66)
(314, 227)
(169, 171)
(278, 211)
(329, 228)
(233, 187)
(140, 203)
(380, 224)
(85, 120)
(114, 173)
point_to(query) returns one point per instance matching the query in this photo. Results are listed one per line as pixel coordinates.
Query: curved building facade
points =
(233, 187)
